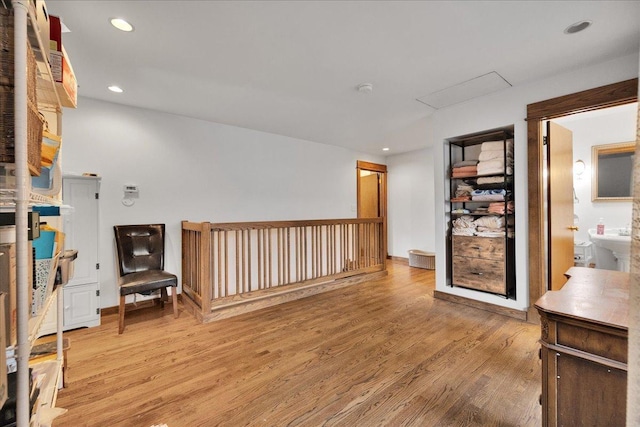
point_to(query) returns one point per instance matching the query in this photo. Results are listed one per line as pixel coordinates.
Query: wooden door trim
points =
(375, 167)
(593, 99)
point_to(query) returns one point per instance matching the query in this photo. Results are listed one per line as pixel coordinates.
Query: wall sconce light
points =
(578, 167)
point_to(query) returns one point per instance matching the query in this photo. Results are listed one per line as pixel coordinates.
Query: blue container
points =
(44, 244)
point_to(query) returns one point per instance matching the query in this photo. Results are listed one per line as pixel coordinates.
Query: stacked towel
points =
(490, 226)
(464, 169)
(464, 226)
(491, 180)
(463, 193)
(488, 195)
(496, 158)
(486, 226)
(499, 208)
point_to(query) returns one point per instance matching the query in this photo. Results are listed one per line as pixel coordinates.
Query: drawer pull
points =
(477, 274)
(476, 247)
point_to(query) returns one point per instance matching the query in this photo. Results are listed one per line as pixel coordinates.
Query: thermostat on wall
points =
(130, 191)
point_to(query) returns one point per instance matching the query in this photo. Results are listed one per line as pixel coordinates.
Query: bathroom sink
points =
(616, 240)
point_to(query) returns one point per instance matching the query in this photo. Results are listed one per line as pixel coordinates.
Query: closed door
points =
(81, 226)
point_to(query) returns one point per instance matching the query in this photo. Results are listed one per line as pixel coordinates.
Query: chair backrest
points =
(139, 247)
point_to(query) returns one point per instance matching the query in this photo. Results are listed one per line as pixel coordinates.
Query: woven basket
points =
(7, 116)
(35, 125)
(7, 52)
(422, 259)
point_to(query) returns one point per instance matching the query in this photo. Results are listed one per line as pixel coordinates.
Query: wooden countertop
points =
(598, 296)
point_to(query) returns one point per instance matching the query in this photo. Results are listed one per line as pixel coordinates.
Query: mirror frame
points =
(597, 150)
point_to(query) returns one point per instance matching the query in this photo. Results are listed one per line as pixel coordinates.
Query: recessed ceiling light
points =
(577, 27)
(121, 24)
(385, 149)
(116, 89)
(365, 88)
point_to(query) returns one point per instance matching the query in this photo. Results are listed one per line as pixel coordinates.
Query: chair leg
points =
(163, 297)
(121, 315)
(174, 297)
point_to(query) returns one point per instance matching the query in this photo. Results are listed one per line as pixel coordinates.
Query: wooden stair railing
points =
(258, 264)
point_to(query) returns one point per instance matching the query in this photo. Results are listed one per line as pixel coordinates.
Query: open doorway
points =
(594, 99)
(372, 193)
(571, 180)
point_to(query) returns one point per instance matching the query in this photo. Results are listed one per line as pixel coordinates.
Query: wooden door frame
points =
(611, 95)
(375, 167)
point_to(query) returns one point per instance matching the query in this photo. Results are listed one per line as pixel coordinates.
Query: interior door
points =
(560, 203)
(369, 195)
(372, 201)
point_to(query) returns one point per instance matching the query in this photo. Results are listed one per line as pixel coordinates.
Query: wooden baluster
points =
(249, 260)
(288, 255)
(259, 237)
(305, 253)
(204, 269)
(226, 263)
(270, 260)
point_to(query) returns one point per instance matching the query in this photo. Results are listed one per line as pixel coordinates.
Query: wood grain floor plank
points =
(379, 353)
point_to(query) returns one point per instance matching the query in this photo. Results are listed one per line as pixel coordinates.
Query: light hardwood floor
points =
(381, 353)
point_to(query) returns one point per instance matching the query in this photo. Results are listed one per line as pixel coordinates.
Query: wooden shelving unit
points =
(482, 262)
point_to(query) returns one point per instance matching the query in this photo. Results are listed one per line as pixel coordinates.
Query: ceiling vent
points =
(478, 86)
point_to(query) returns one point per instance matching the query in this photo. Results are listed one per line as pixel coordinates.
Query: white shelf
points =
(51, 370)
(8, 199)
(48, 99)
(36, 321)
(26, 31)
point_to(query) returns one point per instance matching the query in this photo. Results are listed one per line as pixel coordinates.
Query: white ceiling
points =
(292, 67)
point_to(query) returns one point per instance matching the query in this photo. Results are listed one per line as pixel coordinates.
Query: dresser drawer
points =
(482, 274)
(479, 247)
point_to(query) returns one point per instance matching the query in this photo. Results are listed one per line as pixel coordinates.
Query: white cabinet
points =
(81, 306)
(82, 292)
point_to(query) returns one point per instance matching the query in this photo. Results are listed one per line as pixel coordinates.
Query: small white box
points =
(582, 253)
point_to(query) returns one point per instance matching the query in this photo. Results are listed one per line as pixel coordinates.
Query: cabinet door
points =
(81, 227)
(81, 306)
(590, 394)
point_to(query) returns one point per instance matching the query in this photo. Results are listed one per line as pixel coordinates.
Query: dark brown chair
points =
(140, 252)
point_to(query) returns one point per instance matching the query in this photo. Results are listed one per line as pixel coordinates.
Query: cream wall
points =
(507, 107)
(189, 169)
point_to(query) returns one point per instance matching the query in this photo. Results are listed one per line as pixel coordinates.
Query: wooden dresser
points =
(478, 263)
(584, 330)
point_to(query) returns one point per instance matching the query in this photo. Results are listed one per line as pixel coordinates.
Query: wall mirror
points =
(612, 171)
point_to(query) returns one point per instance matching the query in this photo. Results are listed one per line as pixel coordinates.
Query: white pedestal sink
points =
(616, 240)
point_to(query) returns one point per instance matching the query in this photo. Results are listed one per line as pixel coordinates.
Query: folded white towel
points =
(491, 221)
(497, 145)
(495, 171)
(495, 154)
(490, 180)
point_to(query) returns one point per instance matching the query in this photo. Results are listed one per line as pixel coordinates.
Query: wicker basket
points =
(7, 116)
(35, 125)
(7, 52)
(422, 259)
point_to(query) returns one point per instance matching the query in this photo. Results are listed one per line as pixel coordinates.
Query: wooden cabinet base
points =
(584, 330)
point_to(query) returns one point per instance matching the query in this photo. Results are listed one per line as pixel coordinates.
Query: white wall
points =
(410, 199)
(195, 170)
(613, 125)
(499, 109)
